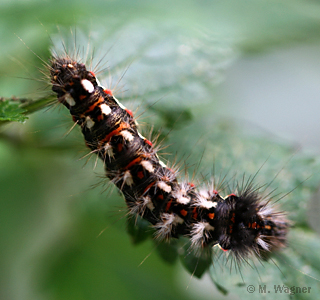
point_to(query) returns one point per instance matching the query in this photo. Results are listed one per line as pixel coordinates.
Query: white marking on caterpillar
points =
(148, 203)
(203, 202)
(127, 178)
(89, 122)
(68, 98)
(140, 135)
(105, 109)
(139, 206)
(163, 186)
(204, 194)
(198, 232)
(162, 164)
(147, 165)
(109, 150)
(178, 220)
(180, 195)
(99, 84)
(265, 210)
(87, 85)
(262, 243)
(127, 135)
(164, 227)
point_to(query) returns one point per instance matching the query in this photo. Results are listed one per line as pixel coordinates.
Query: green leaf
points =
(168, 251)
(138, 229)
(196, 264)
(11, 111)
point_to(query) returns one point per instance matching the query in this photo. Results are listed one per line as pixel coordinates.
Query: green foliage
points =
(195, 264)
(11, 112)
(139, 229)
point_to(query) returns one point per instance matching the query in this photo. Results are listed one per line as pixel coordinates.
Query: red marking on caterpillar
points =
(148, 142)
(244, 223)
(129, 112)
(107, 91)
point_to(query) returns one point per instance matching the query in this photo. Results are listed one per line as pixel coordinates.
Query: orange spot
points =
(94, 75)
(134, 162)
(92, 107)
(160, 197)
(107, 91)
(224, 250)
(183, 212)
(194, 213)
(268, 227)
(71, 83)
(148, 142)
(254, 225)
(129, 112)
(191, 184)
(120, 147)
(249, 225)
(168, 205)
(232, 195)
(114, 132)
(140, 175)
(100, 118)
(211, 216)
(233, 218)
(74, 118)
(81, 97)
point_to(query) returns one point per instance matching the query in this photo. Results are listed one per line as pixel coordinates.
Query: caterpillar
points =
(245, 224)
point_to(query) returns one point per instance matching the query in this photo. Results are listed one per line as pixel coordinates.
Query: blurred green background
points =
(232, 85)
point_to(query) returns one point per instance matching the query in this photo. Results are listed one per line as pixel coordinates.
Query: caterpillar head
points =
(250, 226)
(70, 79)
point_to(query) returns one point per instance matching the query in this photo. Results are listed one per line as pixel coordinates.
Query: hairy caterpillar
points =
(181, 249)
(243, 223)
